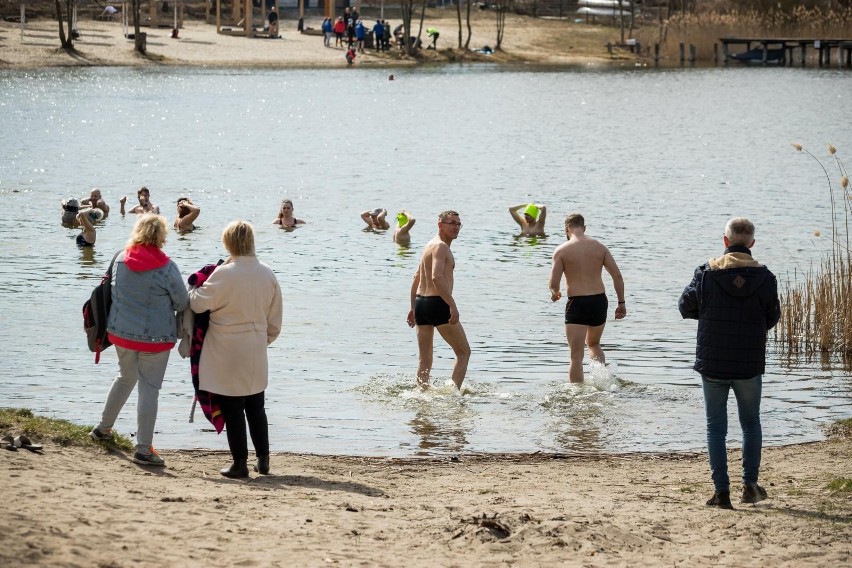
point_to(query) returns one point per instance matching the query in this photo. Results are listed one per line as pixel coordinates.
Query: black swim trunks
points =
(431, 310)
(82, 242)
(586, 310)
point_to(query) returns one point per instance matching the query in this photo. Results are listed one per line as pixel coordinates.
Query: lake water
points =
(657, 160)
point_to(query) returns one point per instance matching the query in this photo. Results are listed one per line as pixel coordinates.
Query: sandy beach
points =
(85, 506)
(527, 40)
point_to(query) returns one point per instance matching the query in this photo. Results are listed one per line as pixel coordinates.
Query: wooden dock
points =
(767, 50)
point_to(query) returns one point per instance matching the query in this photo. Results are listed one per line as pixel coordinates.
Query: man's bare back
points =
(582, 261)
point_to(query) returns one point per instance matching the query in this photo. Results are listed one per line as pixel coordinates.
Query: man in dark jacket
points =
(735, 300)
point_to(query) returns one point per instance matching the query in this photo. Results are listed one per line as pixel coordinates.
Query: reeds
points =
(704, 29)
(816, 313)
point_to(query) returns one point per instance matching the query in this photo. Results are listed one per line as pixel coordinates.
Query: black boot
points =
(238, 470)
(262, 466)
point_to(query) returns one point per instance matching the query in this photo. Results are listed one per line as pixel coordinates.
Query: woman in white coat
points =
(244, 300)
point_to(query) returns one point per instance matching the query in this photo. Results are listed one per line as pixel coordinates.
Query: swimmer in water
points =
(285, 216)
(96, 201)
(187, 213)
(531, 220)
(88, 235)
(404, 221)
(375, 219)
(145, 205)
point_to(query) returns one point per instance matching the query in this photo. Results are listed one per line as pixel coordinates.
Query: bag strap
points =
(108, 274)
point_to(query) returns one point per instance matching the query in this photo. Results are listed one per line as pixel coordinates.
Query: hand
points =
(410, 318)
(454, 315)
(620, 311)
(555, 295)
(123, 200)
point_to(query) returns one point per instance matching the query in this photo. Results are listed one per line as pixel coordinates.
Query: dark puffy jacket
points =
(735, 301)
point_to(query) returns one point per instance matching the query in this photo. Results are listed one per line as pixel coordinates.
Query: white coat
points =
(244, 300)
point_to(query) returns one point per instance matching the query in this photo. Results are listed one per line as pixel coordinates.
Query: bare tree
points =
(138, 43)
(66, 40)
(458, 13)
(502, 6)
(469, 31)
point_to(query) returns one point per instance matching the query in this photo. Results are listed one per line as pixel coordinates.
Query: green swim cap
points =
(532, 211)
(401, 219)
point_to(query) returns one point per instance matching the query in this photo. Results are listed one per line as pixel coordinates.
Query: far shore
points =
(527, 41)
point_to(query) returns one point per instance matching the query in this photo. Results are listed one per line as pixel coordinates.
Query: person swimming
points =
(285, 216)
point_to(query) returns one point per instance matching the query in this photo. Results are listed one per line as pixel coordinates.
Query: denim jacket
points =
(145, 297)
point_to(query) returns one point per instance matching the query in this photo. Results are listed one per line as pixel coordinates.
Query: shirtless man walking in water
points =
(581, 260)
(432, 303)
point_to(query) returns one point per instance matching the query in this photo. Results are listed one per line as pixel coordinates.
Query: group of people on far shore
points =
(733, 297)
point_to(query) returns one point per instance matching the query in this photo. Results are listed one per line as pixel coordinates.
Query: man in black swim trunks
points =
(581, 260)
(432, 303)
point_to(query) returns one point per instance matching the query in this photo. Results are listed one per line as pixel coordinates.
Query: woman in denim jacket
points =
(147, 290)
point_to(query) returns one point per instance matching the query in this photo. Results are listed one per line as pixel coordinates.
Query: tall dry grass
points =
(703, 30)
(816, 312)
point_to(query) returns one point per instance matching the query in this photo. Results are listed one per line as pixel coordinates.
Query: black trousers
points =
(237, 410)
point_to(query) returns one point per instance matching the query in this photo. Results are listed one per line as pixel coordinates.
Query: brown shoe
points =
(721, 499)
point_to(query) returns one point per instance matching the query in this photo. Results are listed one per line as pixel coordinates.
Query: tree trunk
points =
(139, 42)
(458, 13)
(469, 31)
(502, 6)
(422, 17)
(407, 10)
(64, 42)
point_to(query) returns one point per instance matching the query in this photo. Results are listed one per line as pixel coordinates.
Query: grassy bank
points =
(16, 421)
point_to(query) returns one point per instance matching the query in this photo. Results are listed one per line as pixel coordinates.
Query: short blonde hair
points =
(150, 229)
(740, 231)
(238, 238)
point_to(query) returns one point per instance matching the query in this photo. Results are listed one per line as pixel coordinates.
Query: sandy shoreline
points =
(527, 40)
(81, 506)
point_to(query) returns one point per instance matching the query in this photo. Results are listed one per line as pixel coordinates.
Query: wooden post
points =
(682, 53)
(828, 55)
(803, 47)
(691, 53)
(765, 51)
(725, 53)
(23, 18)
(152, 13)
(656, 53)
(609, 49)
(218, 16)
(248, 18)
(715, 53)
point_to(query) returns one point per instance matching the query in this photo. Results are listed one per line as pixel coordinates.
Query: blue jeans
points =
(147, 370)
(747, 393)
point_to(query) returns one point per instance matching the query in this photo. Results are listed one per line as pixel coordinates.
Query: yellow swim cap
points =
(401, 219)
(532, 211)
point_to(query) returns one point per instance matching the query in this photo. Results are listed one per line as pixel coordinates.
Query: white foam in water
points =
(602, 377)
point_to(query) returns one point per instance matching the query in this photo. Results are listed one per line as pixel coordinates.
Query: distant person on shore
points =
(285, 216)
(145, 205)
(95, 200)
(88, 235)
(433, 33)
(581, 261)
(378, 35)
(273, 23)
(350, 55)
(360, 35)
(531, 220)
(147, 290)
(432, 303)
(109, 13)
(327, 30)
(735, 300)
(187, 213)
(404, 221)
(339, 29)
(386, 37)
(244, 300)
(376, 219)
